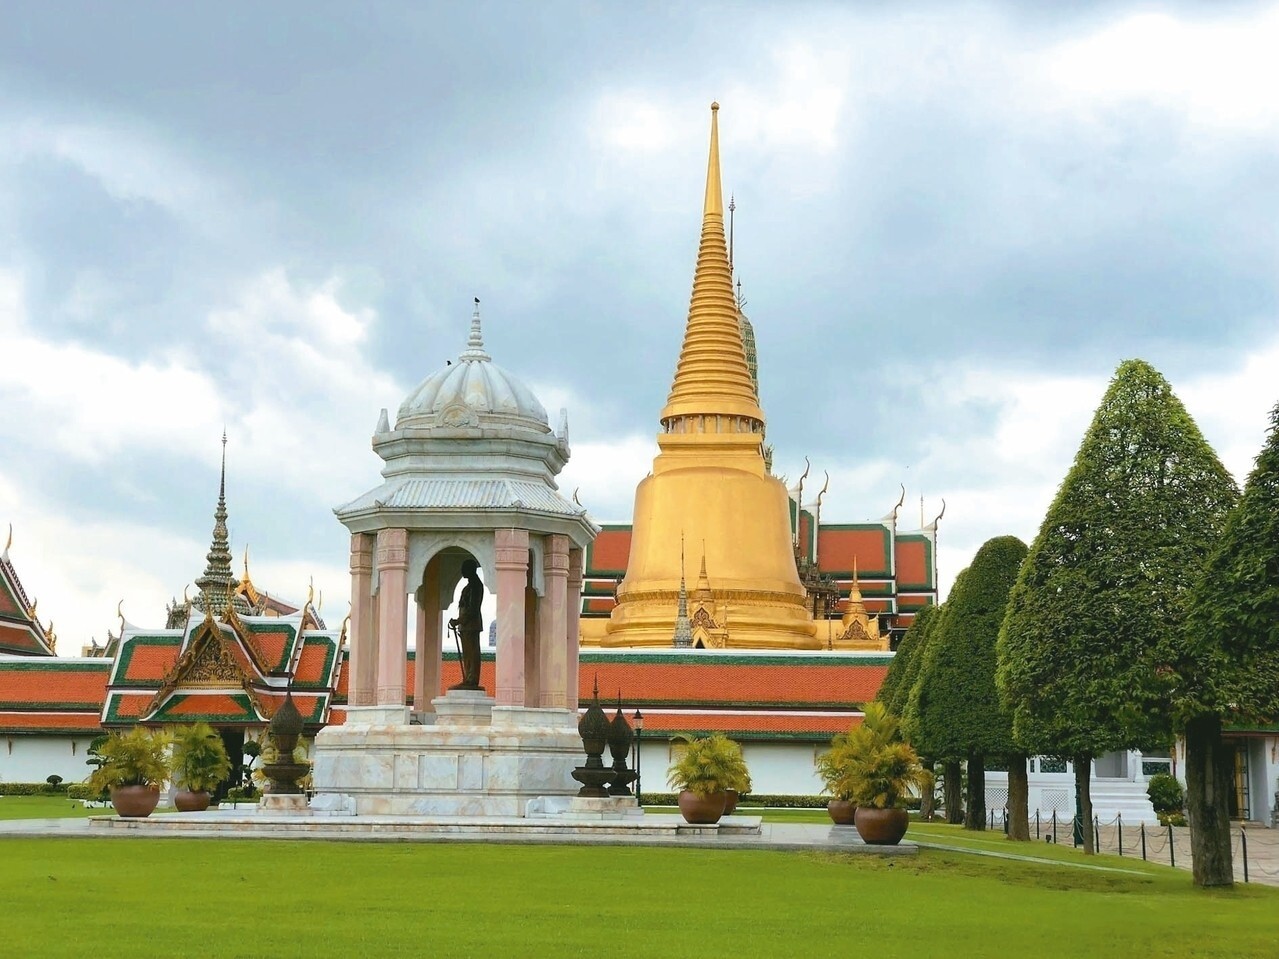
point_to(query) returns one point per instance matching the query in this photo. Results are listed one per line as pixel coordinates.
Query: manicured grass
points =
(145, 897)
(44, 807)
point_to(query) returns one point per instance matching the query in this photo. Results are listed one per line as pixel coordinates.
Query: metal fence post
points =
(1243, 838)
(1036, 823)
(1119, 820)
(1096, 833)
(1054, 827)
(1172, 847)
(1143, 842)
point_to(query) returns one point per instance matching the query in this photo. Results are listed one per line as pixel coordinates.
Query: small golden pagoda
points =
(709, 484)
(858, 629)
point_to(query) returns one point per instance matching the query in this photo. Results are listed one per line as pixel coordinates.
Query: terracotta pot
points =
(135, 802)
(730, 801)
(842, 812)
(187, 800)
(701, 810)
(881, 827)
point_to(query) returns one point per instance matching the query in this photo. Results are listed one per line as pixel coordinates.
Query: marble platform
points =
(469, 758)
(260, 822)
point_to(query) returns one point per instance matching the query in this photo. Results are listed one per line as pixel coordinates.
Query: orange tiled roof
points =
(746, 680)
(60, 722)
(912, 562)
(42, 685)
(146, 660)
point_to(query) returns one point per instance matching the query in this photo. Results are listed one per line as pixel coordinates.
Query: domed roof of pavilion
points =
(472, 392)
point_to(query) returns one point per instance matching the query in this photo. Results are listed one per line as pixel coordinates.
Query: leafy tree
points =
(894, 693)
(1225, 663)
(956, 710)
(895, 689)
(1107, 578)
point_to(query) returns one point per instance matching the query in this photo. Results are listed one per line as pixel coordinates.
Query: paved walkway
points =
(1262, 843)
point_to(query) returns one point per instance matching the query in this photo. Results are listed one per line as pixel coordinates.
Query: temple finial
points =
(714, 205)
(7, 543)
(218, 582)
(475, 342)
(712, 377)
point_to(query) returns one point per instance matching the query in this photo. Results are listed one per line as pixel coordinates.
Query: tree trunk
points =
(952, 794)
(1209, 780)
(928, 795)
(975, 813)
(1018, 799)
(1083, 808)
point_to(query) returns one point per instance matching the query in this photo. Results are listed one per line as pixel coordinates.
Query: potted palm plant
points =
(703, 772)
(133, 767)
(871, 768)
(200, 763)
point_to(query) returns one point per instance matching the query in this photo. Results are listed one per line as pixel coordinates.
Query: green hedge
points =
(32, 789)
(757, 800)
(84, 791)
(750, 799)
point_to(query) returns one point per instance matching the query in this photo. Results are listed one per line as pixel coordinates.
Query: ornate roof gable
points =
(209, 661)
(20, 630)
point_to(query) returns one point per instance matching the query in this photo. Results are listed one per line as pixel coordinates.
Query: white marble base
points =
(584, 808)
(628, 829)
(464, 707)
(446, 770)
(377, 716)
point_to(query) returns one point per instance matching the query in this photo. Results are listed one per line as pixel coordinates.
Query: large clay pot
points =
(701, 810)
(842, 812)
(881, 827)
(135, 802)
(730, 801)
(187, 800)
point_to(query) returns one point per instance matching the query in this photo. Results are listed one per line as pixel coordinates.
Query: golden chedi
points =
(709, 487)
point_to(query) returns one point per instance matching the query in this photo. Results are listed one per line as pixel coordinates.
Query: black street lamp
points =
(638, 722)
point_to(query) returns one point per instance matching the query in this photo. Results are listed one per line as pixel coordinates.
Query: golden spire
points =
(712, 377)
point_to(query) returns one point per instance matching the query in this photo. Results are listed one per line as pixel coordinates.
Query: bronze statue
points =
(468, 625)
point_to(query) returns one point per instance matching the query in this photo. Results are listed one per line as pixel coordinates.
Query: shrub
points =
(85, 791)
(200, 761)
(709, 765)
(54, 782)
(1166, 794)
(139, 757)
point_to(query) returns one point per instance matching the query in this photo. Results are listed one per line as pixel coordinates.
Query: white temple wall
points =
(33, 759)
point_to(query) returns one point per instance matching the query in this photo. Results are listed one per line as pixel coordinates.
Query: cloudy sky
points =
(954, 221)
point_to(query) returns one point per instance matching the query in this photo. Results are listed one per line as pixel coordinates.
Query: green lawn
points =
(130, 897)
(44, 807)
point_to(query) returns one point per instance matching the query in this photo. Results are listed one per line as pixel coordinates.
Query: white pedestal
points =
(476, 760)
(464, 707)
(377, 716)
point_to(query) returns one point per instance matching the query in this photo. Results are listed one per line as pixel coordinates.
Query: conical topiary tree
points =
(1225, 663)
(894, 692)
(1106, 580)
(956, 709)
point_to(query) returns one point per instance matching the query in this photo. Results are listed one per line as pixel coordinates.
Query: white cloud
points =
(1220, 73)
(282, 369)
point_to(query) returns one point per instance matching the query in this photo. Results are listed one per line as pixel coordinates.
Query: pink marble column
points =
(574, 642)
(392, 614)
(511, 546)
(532, 662)
(362, 665)
(552, 626)
(426, 680)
